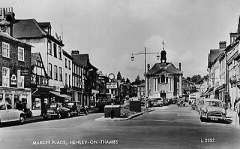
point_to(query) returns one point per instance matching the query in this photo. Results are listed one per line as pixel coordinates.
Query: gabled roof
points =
(28, 28)
(163, 68)
(31, 29)
(6, 35)
(44, 24)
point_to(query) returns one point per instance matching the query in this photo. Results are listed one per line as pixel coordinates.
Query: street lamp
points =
(145, 53)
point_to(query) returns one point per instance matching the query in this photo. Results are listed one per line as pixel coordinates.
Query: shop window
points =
(36, 104)
(24, 103)
(5, 77)
(2, 107)
(9, 107)
(8, 98)
(16, 101)
(20, 79)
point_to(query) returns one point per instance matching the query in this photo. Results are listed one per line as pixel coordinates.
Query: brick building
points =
(15, 57)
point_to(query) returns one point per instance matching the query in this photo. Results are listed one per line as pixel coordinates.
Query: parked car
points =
(8, 114)
(158, 102)
(74, 107)
(212, 109)
(56, 110)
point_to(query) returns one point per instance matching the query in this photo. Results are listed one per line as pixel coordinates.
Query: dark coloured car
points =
(56, 110)
(74, 106)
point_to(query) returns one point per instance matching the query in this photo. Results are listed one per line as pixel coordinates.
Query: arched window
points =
(162, 79)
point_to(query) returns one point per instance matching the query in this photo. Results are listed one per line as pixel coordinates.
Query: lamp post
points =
(145, 53)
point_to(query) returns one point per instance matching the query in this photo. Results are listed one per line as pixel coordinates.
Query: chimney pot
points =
(222, 44)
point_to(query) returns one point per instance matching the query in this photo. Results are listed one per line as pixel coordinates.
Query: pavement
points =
(165, 128)
(234, 117)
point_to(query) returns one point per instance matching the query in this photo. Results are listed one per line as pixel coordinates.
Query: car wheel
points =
(68, 114)
(202, 119)
(22, 119)
(59, 116)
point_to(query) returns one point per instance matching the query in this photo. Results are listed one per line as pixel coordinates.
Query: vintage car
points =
(212, 109)
(157, 102)
(8, 114)
(56, 110)
(75, 108)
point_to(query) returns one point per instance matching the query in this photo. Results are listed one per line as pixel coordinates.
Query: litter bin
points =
(112, 111)
(135, 106)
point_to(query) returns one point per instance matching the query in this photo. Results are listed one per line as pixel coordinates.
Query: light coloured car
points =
(212, 109)
(8, 114)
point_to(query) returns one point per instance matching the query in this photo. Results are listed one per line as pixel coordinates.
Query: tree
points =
(119, 76)
(196, 78)
(137, 80)
(128, 81)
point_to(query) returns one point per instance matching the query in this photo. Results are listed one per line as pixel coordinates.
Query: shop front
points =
(40, 98)
(14, 96)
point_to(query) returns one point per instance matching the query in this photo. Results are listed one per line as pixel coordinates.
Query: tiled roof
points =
(28, 28)
(163, 68)
(82, 60)
(6, 35)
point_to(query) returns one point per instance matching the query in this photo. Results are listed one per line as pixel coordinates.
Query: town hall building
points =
(164, 79)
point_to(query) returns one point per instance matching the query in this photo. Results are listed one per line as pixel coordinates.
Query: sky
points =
(110, 30)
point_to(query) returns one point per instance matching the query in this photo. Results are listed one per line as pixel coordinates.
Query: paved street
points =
(166, 127)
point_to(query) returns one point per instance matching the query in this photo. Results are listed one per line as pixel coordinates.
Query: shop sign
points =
(13, 79)
(24, 72)
(111, 85)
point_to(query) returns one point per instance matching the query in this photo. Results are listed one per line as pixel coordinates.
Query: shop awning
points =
(209, 91)
(61, 95)
(220, 87)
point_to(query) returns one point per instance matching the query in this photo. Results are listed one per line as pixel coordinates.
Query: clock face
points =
(111, 76)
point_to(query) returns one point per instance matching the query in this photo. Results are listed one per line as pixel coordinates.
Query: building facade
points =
(15, 57)
(164, 79)
(15, 77)
(39, 85)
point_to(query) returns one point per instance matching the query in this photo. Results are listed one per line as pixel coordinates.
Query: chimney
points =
(75, 52)
(222, 45)
(180, 66)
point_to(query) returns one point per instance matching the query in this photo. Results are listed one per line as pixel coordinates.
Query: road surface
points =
(165, 128)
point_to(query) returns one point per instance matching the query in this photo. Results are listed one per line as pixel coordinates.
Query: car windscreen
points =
(70, 104)
(53, 106)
